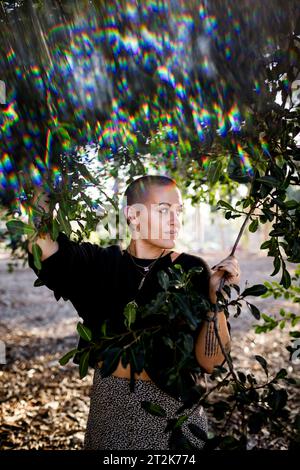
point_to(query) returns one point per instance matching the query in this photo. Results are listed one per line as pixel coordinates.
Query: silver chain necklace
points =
(146, 269)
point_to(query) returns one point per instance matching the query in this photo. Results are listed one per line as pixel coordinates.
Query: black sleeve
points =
(201, 281)
(68, 269)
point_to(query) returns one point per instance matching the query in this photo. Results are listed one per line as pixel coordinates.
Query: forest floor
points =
(45, 405)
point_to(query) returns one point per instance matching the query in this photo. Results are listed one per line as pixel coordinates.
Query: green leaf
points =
(179, 267)
(271, 321)
(294, 334)
(241, 376)
(17, 227)
(84, 364)
(137, 358)
(277, 233)
(153, 409)
(269, 181)
(227, 290)
(179, 422)
(163, 279)
(246, 202)
(185, 310)
(111, 357)
(168, 342)
(269, 214)
(188, 344)
(130, 313)
(253, 226)
(236, 288)
(64, 134)
(195, 270)
(263, 363)
(277, 399)
(84, 332)
(255, 422)
(254, 310)
(214, 171)
(220, 409)
(55, 229)
(63, 222)
(280, 203)
(225, 204)
(174, 423)
(251, 379)
(285, 279)
(277, 265)
(104, 328)
(281, 374)
(235, 170)
(38, 283)
(37, 255)
(198, 432)
(65, 359)
(265, 245)
(282, 324)
(86, 174)
(255, 290)
(292, 204)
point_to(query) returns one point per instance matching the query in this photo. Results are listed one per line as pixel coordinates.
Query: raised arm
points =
(207, 349)
(67, 267)
(47, 245)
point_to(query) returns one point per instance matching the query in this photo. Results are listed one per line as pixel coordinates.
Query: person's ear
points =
(131, 215)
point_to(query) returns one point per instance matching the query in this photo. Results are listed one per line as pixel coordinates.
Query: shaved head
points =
(139, 190)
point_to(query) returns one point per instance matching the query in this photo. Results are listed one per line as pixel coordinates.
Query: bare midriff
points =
(124, 372)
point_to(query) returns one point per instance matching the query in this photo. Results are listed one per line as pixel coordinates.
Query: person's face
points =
(159, 220)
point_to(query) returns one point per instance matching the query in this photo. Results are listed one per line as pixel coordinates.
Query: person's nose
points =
(175, 221)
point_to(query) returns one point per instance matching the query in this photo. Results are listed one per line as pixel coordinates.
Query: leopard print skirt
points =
(117, 420)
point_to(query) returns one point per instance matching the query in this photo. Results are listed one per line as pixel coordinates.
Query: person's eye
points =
(164, 210)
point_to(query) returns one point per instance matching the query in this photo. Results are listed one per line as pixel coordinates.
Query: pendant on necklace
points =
(146, 268)
(141, 283)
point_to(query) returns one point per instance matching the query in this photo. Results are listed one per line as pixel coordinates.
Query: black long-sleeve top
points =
(99, 281)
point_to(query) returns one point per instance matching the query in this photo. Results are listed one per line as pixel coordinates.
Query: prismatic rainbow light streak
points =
(264, 145)
(245, 161)
(80, 74)
(164, 75)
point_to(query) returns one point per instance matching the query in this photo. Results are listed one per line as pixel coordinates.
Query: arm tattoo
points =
(211, 341)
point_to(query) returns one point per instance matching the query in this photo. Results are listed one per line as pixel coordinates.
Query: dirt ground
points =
(45, 406)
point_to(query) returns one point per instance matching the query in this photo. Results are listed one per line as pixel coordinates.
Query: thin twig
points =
(221, 285)
(243, 228)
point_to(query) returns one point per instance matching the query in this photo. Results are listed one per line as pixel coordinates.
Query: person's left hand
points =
(230, 269)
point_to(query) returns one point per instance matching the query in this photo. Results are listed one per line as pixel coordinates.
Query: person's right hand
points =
(41, 199)
(228, 268)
